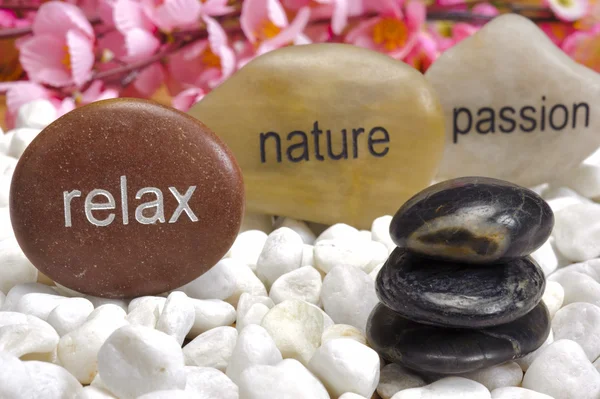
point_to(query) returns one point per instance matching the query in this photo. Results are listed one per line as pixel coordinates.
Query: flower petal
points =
(22, 92)
(215, 8)
(254, 13)
(219, 46)
(277, 13)
(57, 18)
(149, 79)
(42, 58)
(362, 31)
(81, 53)
(573, 11)
(339, 19)
(128, 14)
(416, 12)
(288, 34)
(485, 9)
(139, 44)
(182, 12)
(184, 100)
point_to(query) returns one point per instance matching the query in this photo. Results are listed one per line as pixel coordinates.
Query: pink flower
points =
(169, 15)
(568, 10)
(215, 8)
(61, 51)
(557, 32)
(338, 10)
(184, 100)
(424, 53)
(205, 63)
(95, 92)
(391, 32)
(584, 47)
(266, 25)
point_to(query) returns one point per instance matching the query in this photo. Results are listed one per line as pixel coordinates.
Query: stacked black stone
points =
(460, 292)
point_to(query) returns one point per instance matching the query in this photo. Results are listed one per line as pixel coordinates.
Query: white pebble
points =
(21, 138)
(254, 346)
(380, 231)
(90, 392)
(18, 291)
(254, 315)
(308, 258)
(209, 314)
(281, 254)
(6, 230)
(584, 179)
(577, 231)
(561, 197)
(212, 348)
(15, 381)
(508, 374)
(579, 282)
(579, 322)
(97, 302)
(331, 253)
(350, 395)
(307, 235)
(348, 296)
(563, 371)
(373, 274)
(395, 378)
(145, 300)
(168, 394)
(303, 284)
(78, 349)
(447, 388)
(288, 379)
(546, 257)
(378, 253)
(136, 360)
(296, 329)
(177, 317)
(553, 298)
(247, 300)
(340, 231)
(70, 315)
(525, 361)
(344, 365)
(145, 313)
(51, 381)
(247, 247)
(36, 114)
(517, 393)
(38, 304)
(23, 334)
(2, 299)
(208, 383)
(343, 331)
(16, 268)
(5, 138)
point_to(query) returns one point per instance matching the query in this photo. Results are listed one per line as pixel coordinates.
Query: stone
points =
(517, 393)
(17, 269)
(563, 371)
(303, 284)
(255, 314)
(19, 290)
(247, 247)
(580, 282)
(453, 351)
(525, 361)
(530, 117)
(15, 381)
(583, 179)
(344, 365)
(339, 231)
(380, 231)
(395, 378)
(453, 294)
(20, 140)
(209, 314)
(23, 335)
(508, 374)
(212, 348)
(554, 296)
(90, 392)
(136, 360)
(296, 161)
(70, 315)
(350, 395)
(247, 300)
(473, 220)
(38, 304)
(36, 114)
(208, 383)
(281, 254)
(296, 328)
(546, 257)
(561, 197)
(343, 331)
(168, 394)
(51, 381)
(447, 388)
(331, 253)
(577, 231)
(348, 296)
(120, 180)
(579, 322)
(177, 317)
(288, 379)
(300, 227)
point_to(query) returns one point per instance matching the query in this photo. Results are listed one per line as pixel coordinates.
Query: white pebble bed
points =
(281, 316)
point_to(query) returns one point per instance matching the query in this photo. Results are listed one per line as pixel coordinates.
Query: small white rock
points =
(331, 253)
(212, 348)
(38, 304)
(36, 114)
(447, 388)
(395, 378)
(380, 231)
(21, 138)
(517, 393)
(254, 346)
(6, 230)
(22, 334)
(343, 331)
(70, 315)
(247, 247)
(51, 381)
(308, 237)
(177, 317)
(350, 395)
(2, 299)
(145, 300)
(16, 268)
(344, 365)
(303, 284)
(296, 329)
(378, 253)
(577, 231)
(247, 300)
(281, 254)
(254, 315)
(561, 197)
(584, 179)
(348, 296)
(579, 322)
(136, 360)
(208, 383)
(508, 374)
(288, 379)
(373, 274)
(78, 349)
(18, 291)
(169, 394)
(563, 371)
(580, 282)
(97, 302)
(91, 392)
(545, 257)
(15, 381)
(308, 258)
(553, 298)
(145, 313)
(340, 231)
(525, 361)
(209, 314)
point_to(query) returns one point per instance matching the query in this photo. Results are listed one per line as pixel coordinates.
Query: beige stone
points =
(391, 117)
(544, 105)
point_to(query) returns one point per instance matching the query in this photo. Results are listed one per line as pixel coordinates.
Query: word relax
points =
(526, 119)
(299, 150)
(141, 212)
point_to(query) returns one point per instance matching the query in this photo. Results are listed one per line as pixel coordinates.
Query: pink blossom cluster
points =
(75, 52)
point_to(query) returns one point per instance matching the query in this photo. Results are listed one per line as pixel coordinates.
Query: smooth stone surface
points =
(394, 378)
(580, 282)
(508, 374)
(473, 220)
(457, 295)
(579, 322)
(577, 231)
(294, 91)
(452, 351)
(446, 388)
(479, 75)
(122, 180)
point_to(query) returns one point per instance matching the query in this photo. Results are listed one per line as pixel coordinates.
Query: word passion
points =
(526, 119)
(157, 205)
(299, 150)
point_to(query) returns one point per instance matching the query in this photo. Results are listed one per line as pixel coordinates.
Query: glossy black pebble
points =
(450, 351)
(474, 220)
(457, 295)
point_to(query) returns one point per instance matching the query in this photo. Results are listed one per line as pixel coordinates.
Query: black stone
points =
(474, 220)
(431, 349)
(459, 295)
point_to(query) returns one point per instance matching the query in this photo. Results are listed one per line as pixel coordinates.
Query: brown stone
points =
(69, 187)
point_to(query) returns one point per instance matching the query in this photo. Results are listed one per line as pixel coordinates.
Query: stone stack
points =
(460, 292)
